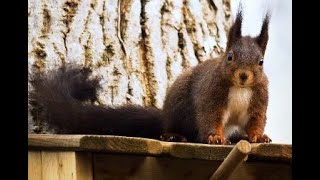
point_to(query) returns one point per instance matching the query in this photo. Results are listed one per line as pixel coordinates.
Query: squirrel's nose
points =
(243, 76)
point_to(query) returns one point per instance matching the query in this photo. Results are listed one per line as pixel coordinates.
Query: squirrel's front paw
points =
(259, 139)
(218, 139)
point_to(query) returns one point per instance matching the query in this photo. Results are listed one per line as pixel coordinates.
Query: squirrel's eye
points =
(261, 62)
(229, 56)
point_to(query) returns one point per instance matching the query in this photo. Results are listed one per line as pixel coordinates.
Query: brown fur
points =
(60, 96)
(196, 103)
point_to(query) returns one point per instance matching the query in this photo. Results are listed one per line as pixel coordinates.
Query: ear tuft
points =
(235, 30)
(263, 37)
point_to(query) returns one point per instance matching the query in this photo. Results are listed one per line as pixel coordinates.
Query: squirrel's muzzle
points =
(243, 77)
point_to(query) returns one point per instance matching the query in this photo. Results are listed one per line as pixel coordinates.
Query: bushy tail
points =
(62, 93)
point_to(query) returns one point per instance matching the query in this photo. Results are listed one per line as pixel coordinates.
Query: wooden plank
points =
(139, 167)
(58, 165)
(271, 152)
(105, 143)
(261, 170)
(84, 166)
(34, 165)
(143, 146)
(134, 167)
(54, 141)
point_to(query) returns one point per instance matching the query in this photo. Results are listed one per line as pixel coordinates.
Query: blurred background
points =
(278, 61)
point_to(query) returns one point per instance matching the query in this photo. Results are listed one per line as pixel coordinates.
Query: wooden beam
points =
(143, 146)
(238, 154)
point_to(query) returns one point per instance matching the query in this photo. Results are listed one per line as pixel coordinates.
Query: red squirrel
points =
(207, 102)
(203, 104)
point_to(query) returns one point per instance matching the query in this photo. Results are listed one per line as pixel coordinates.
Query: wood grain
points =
(58, 165)
(34, 165)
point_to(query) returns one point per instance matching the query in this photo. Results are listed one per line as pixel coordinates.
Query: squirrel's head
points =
(243, 59)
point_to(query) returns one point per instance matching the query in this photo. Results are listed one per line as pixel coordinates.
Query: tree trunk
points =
(137, 47)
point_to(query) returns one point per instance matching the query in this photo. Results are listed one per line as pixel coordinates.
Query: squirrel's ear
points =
(235, 30)
(263, 37)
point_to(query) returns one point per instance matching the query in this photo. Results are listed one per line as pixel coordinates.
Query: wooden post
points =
(58, 165)
(237, 155)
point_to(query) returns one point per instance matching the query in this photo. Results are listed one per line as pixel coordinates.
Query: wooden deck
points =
(114, 157)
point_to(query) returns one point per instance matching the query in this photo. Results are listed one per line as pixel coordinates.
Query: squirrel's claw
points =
(260, 139)
(218, 139)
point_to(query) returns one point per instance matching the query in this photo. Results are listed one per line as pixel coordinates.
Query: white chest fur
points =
(236, 113)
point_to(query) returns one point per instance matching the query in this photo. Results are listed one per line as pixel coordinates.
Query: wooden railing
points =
(115, 157)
